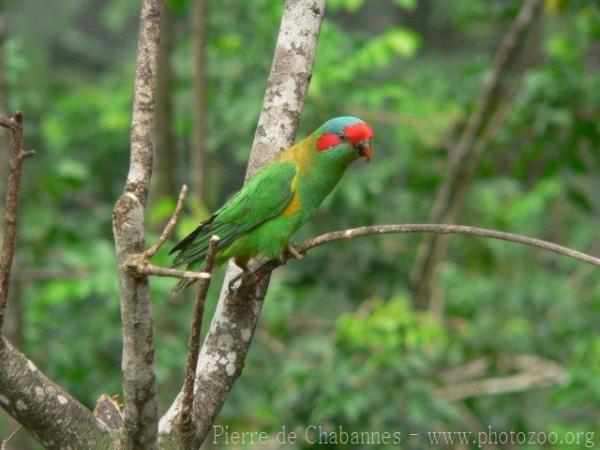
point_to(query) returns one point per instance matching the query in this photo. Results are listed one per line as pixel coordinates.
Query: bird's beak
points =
(363, 148)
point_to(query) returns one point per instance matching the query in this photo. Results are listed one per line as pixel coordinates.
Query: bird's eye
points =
(342, 137)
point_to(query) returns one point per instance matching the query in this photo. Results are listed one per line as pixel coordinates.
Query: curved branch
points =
(238, 311)
(446, 229)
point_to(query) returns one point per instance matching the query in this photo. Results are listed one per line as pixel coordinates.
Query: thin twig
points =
(10, 436)
(186, 423)
(17, 155)
(168, 230)
(150, 269)
(139, 261)
(447, 229)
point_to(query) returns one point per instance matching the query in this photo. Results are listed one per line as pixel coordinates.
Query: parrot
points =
(261, 217)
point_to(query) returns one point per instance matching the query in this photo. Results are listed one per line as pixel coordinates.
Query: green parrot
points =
(275, 202)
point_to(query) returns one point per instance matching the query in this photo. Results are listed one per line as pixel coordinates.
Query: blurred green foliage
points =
(334, 346)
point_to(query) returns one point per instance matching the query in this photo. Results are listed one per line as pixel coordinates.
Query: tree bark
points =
(55, 419)
(226, 345)
(140, 413)
(165, 148)
(469, 150)
(198, 155)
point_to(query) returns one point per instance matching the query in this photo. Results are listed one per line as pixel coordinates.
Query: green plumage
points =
(264, 198)
(274, 203)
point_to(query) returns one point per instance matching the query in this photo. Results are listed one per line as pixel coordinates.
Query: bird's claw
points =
(295, 251)
(234, 280)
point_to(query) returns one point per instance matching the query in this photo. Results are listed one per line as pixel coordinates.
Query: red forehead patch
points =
(327, 140)
(358, 132)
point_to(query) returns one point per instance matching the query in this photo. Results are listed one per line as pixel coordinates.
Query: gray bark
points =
(140, 413)
(165, 149)
(56, 419)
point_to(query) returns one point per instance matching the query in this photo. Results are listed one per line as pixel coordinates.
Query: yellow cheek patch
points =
(293, 207)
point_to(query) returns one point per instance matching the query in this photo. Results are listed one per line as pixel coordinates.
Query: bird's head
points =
(345, 137)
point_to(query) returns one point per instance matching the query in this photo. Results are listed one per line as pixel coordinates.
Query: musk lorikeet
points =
(275, 202)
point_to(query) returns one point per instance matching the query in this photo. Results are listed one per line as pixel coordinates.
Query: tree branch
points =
(140, 261)
(54, 418)
(464, 158)
(533, 372)
(140, 413)
(446, 229)
(109, 411)
(170, 226)
(185, 424)
(10, 436)
(143, 267)
(226, 344)
(16, 157)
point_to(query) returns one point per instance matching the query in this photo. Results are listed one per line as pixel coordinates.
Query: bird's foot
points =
(234, 280)
(295, 251)
(239, 276)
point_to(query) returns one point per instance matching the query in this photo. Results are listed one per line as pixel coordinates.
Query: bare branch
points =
(224, 351)
(140, 261)
(139, 384)
(168, 231)
(262, 267)
(447, 229)
(145, 268)
(54, 418)
(482, 123)
(236, 321)
(185, 423)
(16, 157)
(534, 372)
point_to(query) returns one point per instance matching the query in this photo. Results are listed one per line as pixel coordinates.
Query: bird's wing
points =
(265, 196)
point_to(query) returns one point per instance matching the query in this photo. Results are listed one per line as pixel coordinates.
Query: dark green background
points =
(338, 342)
